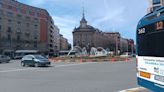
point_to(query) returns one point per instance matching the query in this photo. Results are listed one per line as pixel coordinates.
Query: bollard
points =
(113, 60)
(81, 61)
(126, 60)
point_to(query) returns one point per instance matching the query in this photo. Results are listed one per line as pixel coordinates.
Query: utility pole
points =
(132, 48)
(121, 45)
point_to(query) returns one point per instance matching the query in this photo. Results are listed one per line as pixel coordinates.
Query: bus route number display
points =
(159, 25)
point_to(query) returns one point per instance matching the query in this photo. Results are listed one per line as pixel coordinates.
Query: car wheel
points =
(23, 64)
(7, 62)
(36, 65)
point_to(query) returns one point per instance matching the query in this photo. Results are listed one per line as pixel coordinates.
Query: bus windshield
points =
(151, 44)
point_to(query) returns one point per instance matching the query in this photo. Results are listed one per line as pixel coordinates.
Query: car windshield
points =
(39, 57)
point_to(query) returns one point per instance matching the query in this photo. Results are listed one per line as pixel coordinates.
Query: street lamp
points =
(127, 45)
(116, 45)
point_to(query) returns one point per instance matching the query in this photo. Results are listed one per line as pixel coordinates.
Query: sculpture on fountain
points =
(87, 51)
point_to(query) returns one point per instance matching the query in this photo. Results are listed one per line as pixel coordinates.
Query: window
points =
(19, 16)
(1, 5)
(18, 30)
(9, 7)
(35, 38)
(36, 26)
(156, 1)
(35, 44)
(18, 37)
(27, 25)
(9, 21)
(38, 14)
(9, 37)
(28, 18)
(1, 12)
(36, 19)
(0, 27)
(35, 34)
(9, 14)
(19, 23)
(18, 10)
(27, 34)
(9, 29)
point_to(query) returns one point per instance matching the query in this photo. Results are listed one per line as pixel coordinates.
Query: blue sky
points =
(107, 15)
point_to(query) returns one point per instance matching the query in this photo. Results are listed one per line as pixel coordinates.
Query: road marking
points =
(57, 66)
(75, 64)
(134, 90)
(16, 70)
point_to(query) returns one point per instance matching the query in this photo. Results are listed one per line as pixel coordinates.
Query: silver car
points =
(35, 60)
(4, 59)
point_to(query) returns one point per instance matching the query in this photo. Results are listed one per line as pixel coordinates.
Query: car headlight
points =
(36, 60)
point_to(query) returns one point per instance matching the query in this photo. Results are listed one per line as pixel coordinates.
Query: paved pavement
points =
(68, 77)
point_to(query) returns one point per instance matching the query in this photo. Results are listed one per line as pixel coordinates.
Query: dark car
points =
(35, 60)
(4, 59)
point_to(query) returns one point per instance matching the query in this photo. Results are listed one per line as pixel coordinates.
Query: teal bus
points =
(150, 51)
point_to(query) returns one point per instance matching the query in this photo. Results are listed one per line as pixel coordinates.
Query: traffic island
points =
(88, 59)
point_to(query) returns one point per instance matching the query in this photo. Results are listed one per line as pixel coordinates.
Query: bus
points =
(20, 53)
(65, 53)
(150, 51)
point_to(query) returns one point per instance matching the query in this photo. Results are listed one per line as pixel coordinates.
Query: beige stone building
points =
(26, 27)
(88, 36)
(153, 4)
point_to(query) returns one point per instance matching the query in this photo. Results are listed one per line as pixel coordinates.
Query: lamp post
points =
(116, 45)
(127, 45)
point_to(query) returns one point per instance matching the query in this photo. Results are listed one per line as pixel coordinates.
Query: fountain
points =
(94, 52)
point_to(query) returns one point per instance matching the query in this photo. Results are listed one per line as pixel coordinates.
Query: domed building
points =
(88, 36)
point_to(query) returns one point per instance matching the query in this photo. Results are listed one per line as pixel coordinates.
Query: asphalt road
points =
(68, 77)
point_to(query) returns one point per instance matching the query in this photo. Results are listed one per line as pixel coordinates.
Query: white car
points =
(126, 54)
(4, 59)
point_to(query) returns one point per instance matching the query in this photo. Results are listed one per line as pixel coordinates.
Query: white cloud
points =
(37, 2)
(66, 25)
(111, 16)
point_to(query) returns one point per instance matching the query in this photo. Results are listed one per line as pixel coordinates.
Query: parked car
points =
(35, 60)
(126, 54)
(4, 58)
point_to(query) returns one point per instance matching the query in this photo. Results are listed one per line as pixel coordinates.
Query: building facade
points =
(27, 27)
(64, 45)
(154, 4)
(114, 40)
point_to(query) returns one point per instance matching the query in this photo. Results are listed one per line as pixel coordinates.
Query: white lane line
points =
(16, 70)
(57, 66)
(133, 89)
(75, 64)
